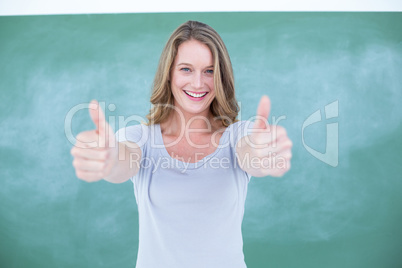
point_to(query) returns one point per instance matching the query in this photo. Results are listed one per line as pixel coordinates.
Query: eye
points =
(210, 71)
(185, 69)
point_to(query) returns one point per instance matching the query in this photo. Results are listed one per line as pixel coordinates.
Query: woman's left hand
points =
(269, 146)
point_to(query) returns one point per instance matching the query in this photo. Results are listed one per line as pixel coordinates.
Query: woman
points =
(190, 165)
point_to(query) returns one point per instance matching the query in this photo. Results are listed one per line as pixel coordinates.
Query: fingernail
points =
(93, 105)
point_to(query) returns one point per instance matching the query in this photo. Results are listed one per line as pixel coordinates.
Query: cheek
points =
(212, 87)
(210, 83)
(179, 81)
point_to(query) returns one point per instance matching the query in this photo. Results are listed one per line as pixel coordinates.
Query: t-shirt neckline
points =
(180, 164)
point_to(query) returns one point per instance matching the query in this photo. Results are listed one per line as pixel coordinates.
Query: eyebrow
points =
(188, 64)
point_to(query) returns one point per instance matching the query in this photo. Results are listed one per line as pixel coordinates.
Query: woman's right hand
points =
(95, 152)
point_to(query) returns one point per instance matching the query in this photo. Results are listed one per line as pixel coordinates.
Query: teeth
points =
(195, 95)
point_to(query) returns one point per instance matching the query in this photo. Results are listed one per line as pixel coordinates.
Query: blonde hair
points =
(224, 106)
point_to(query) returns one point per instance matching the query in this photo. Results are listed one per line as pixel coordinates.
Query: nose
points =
(197, 82)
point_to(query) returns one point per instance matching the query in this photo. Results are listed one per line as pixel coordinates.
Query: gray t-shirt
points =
(190, 214)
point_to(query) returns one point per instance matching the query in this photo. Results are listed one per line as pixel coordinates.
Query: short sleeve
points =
(240, 129)
(137, 134)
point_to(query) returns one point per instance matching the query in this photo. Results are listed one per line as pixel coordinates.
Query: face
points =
(192, 78)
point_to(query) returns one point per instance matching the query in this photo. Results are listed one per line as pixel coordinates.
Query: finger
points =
(88, 176)
(282, 143)
(260, 138)
(277, 132)
(276, 136)
(103, 128)
(87, 139)
(263, 111)
(88, 165)
(268, 138)
(268, 152)
(285, 155)
(87, 153)
(97, 115)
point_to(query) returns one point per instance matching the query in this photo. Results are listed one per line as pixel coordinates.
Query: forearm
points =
(127, 163)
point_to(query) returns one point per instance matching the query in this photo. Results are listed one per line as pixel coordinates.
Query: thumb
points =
(99, 119)
(97, 116)
(263, 110)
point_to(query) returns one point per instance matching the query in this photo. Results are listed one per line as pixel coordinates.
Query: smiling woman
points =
(191, 207)
(210, 66)
(192, 79)
(317, 215)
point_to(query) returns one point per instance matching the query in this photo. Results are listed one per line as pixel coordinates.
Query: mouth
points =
(195, 96)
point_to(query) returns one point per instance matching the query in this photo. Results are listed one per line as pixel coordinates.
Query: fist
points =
(270, 144)
(95, 152)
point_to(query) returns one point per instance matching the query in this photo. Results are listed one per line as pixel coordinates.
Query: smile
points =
(195, 95)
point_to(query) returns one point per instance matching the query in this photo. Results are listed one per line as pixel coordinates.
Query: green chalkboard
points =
(335, 83)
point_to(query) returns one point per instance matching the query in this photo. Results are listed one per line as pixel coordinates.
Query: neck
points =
(183, 121)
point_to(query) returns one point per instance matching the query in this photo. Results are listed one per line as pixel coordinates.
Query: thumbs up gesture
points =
(269, 147)
(95, 152)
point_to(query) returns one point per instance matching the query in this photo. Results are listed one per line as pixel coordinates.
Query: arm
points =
(127, 164)
(267, 151)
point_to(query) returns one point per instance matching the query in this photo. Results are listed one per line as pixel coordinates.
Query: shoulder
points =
(239, 129)
(136, 133)
(240, 125)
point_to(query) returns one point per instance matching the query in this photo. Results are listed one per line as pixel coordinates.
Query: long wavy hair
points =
(224, 107)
